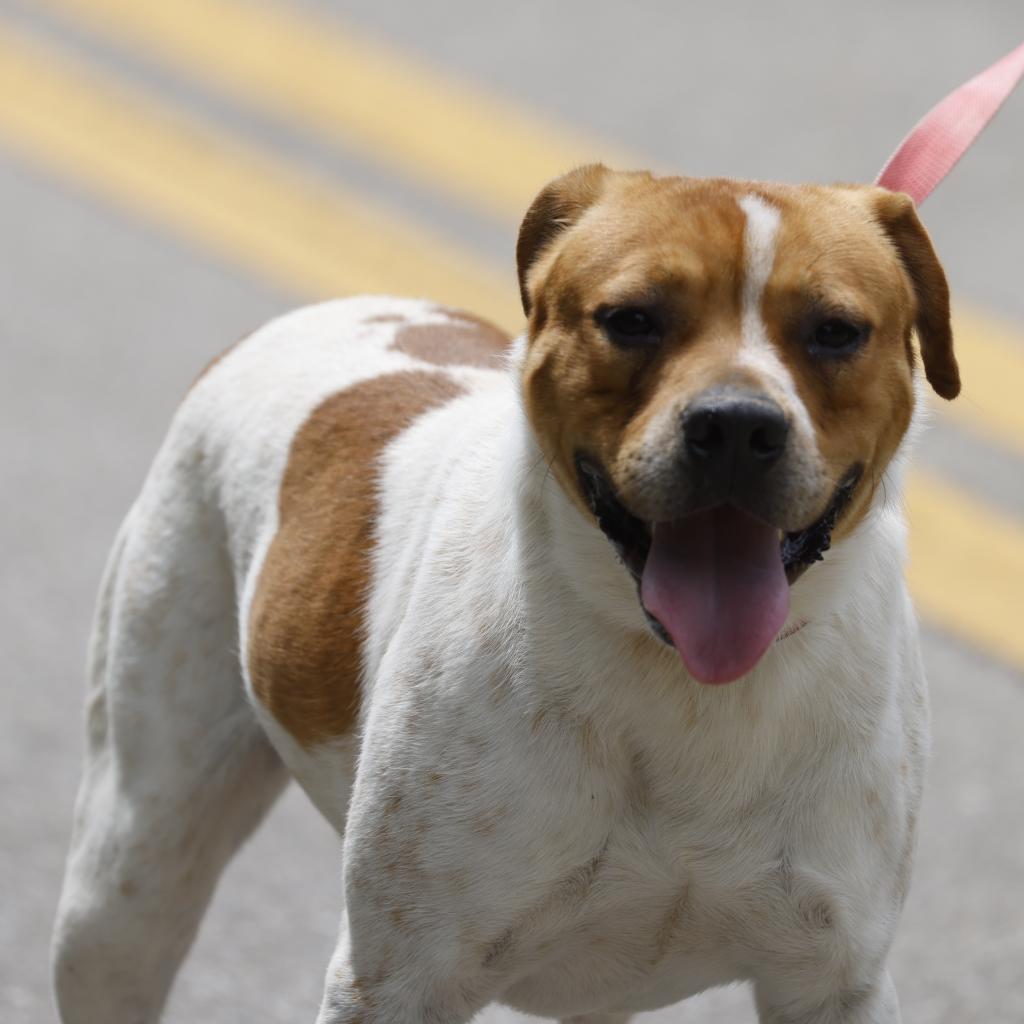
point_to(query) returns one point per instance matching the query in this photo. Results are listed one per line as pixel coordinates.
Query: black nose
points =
(734, 434)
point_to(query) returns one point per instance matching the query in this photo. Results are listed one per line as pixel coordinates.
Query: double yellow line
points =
(249, 206)
(343, 87)
(316, 239)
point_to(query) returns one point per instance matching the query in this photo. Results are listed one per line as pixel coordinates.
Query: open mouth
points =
(715, 583)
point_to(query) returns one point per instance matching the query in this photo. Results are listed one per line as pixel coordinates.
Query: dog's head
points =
(719, 373)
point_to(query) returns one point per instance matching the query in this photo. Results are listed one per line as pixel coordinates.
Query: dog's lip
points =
(802, 548)
(631, 536)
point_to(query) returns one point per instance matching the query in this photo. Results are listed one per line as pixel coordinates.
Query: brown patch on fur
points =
(306, 620)
(461, 340)
(495, 333)
(387, 318)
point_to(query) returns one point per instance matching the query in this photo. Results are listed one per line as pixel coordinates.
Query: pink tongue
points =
(715, 581)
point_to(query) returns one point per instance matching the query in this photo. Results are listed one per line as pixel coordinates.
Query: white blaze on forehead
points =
(758, 257)
(757, 353)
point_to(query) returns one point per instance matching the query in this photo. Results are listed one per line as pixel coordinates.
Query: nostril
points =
(767, 441)
(704, 433)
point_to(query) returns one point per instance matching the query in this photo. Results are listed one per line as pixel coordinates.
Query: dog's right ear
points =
(558, 206)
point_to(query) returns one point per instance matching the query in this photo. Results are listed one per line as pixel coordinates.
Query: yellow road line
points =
(966, 566)
(991, 358)
(344, 86)
(968, 560)
(256, 211)
(487, 153)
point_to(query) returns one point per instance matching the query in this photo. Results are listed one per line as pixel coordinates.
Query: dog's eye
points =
(837, 337)
(629, 326)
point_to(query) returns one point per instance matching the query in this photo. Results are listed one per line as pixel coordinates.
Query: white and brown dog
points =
(469, 593)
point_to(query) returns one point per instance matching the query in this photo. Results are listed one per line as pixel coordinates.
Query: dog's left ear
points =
(897, 215)
(558, 206)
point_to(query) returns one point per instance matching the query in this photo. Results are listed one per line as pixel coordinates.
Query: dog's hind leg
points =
(177, 773)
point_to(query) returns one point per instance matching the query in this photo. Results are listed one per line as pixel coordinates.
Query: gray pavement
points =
(104, 321)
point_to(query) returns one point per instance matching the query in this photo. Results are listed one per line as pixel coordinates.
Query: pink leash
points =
(937, 142)
(947, 131)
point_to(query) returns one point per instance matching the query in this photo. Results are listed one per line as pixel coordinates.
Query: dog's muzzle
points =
(713, 574)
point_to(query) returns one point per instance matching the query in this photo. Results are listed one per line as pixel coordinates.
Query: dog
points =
(593, 645)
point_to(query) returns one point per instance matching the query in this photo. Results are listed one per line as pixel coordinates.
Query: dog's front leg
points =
(877, 1004)
(372, 983)
(403, 955)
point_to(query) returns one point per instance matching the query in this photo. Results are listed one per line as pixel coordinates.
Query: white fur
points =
(547, 811)
(757, 353)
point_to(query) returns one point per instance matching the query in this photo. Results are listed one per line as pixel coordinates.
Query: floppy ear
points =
(898, 217)
(558, 206)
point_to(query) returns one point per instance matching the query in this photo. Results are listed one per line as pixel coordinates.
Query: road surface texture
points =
(160, 198)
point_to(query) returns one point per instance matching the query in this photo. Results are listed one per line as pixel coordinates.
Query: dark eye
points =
(837, 337)
(629, 326)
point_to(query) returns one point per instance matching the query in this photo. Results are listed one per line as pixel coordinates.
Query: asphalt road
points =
(108, 308)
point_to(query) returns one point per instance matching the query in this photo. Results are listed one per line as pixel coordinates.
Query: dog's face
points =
(719, 373)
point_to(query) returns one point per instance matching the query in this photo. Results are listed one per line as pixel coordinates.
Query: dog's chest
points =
(671, 907)
(697, 884)
(627, 868)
